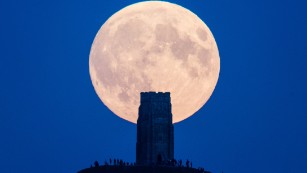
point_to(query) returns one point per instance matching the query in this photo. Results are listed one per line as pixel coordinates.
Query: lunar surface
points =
(154, 46)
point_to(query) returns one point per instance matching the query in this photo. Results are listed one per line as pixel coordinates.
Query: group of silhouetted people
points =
(174, 162)
(171, 163)
(114, 162)
(201, 170)
(96, 164)
(118, 162)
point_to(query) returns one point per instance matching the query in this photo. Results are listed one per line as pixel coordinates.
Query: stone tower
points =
(155, 130)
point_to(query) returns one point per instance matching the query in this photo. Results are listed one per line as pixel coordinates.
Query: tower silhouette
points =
(155, 130)
(155, 141)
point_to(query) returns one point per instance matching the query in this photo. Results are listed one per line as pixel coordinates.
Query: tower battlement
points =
(155, 97)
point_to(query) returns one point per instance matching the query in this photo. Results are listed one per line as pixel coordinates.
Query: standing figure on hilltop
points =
(187, 163)
(96, 164)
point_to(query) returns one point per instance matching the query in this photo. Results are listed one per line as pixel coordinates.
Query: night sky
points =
(51, 119)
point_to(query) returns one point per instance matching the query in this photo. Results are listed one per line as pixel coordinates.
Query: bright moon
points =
(154, 46)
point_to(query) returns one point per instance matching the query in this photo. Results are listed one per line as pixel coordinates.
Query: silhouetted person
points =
(110, 161)
(191, 164)
(187, 163)
(159, 159)
(180, 163)
(121, 163)
(96, 163)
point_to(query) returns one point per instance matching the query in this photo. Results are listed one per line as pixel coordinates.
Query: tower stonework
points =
(155, 130)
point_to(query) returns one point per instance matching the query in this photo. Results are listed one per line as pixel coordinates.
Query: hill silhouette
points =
(141, 169)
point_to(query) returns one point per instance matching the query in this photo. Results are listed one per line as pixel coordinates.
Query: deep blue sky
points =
(51, 119)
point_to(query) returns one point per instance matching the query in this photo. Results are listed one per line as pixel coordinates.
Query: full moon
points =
(154, 46)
